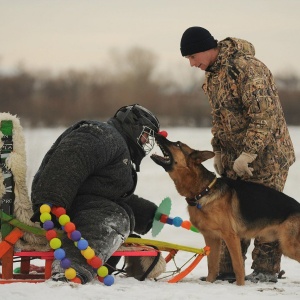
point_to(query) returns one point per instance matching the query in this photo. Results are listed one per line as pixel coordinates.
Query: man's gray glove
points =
(218, 163)
(240, 165)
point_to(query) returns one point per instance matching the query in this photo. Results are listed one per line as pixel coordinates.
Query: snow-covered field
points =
(155, 184)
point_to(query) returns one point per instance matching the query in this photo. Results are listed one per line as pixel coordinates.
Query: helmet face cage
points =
(140, 125)
(146, 139)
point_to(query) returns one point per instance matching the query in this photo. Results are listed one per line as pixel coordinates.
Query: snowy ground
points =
(155, 185)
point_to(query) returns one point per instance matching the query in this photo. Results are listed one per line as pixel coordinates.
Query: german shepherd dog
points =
(226, 209)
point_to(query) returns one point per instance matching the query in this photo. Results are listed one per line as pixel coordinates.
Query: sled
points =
(16, 227)
(131, 247)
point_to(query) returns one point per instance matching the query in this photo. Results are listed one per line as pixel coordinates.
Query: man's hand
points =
(240, 165)
(218, 163)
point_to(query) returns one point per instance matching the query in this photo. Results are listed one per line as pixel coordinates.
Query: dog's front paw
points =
(211, 277)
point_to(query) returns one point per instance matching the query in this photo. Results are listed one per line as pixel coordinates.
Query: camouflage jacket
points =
(246, 110)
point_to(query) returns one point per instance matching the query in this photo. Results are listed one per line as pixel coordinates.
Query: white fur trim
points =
(16, 162)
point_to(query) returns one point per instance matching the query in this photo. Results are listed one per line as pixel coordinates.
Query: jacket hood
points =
(231, 48)
(136, 152)
(237, 47)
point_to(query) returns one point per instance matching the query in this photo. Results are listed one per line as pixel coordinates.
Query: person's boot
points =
(266, 262)
(230, 277)
(111, 264)
(256, 276)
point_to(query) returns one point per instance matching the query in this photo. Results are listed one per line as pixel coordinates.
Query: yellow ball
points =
(70, 273)
(88, 253)
(102, 271)
(45, 208)
(45, 217)
(63, 220)
(55, 243)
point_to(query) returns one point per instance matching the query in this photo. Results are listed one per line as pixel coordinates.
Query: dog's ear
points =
(200, 156)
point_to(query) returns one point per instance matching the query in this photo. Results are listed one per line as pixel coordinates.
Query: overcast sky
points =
(62, 34)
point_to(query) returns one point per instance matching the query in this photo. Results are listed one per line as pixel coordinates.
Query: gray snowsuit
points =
(88, 171)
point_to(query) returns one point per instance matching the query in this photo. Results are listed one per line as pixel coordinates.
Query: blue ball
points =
(108, 280)
(82, 244)
(169, 221)
(75, 235)
(177, 221)
(65, 263)
(59, 253)
(48, 225)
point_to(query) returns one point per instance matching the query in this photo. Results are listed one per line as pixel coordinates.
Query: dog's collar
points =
(194, 201)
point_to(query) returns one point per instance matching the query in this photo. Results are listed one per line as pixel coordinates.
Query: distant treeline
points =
(40, 98)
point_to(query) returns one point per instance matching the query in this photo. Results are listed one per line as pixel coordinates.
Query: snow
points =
(155, 184)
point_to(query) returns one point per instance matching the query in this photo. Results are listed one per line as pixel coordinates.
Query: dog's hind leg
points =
(289, 237)
(213, 258)
(233, 244)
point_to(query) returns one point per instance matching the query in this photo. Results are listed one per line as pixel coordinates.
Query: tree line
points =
(40, 98)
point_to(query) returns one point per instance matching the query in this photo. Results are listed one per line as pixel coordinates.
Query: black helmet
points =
(136, 121)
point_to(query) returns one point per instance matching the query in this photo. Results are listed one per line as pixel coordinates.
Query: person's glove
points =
(218, 163)
(240, 165)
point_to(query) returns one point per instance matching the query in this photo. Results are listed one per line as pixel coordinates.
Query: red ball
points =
(59, 211)
(51, 234)
(163, 218)
(53, 209)
(163, 133)
(76, 280)
(95, 262)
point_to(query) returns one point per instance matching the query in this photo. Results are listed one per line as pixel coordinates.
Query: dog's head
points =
(183, 164)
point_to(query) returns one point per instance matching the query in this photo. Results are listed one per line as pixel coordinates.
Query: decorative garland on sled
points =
(59, 253)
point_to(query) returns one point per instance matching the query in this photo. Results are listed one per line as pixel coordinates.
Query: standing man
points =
(250, 136)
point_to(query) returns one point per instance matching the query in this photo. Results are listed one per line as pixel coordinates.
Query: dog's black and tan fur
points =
(230, 209)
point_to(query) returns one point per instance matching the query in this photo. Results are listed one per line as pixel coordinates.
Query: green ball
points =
(102, 271)
(55, 243)
(45, 217)
(63, 220)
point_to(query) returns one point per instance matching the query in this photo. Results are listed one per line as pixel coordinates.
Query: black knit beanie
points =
(196, 39)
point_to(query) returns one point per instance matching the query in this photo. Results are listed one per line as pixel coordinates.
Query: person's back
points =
(91, 172)
(247, 113)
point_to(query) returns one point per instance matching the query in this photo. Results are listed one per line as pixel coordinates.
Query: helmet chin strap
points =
(136, 153)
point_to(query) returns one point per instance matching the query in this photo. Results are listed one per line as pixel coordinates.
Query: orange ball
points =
(69, 227)
(186, 225)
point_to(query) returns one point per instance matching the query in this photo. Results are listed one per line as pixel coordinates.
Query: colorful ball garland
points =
(177, 222)
(74, 235)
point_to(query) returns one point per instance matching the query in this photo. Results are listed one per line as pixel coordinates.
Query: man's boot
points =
(266, 262)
